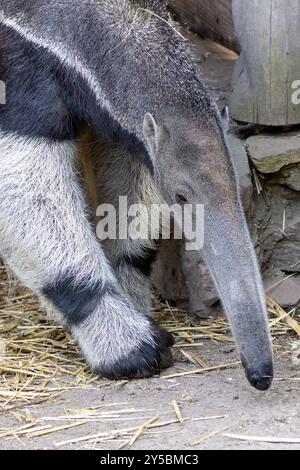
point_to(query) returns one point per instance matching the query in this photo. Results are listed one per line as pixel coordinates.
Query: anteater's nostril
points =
(261, 383)
(260, 377)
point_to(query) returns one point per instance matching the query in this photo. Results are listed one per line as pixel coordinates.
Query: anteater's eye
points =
(181, 199)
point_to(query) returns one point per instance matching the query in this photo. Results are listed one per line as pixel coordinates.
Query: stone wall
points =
(276, 221)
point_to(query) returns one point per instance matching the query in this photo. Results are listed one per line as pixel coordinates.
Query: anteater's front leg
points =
(119, 175)
(45, 237)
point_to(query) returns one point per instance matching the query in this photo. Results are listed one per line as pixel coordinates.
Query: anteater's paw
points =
(147, 360)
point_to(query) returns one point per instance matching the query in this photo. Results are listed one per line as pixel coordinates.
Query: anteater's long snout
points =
(230, 256)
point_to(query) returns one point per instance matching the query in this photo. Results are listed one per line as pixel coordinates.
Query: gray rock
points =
(270, 153)
(290, 177)
(276, 229)
(287, 294)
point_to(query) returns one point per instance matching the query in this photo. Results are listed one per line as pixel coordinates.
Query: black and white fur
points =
(122, 68)
(45, 234)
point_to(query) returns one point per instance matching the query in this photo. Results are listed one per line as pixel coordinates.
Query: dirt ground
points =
(213, 404)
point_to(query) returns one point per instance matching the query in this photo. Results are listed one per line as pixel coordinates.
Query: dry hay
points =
(39, 361)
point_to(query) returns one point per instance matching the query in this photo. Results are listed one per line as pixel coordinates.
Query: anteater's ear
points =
(155, 135)
(225, 118)
(150, 128)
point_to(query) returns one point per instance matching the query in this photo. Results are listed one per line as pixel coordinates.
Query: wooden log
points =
(211, 19)
(269, 63)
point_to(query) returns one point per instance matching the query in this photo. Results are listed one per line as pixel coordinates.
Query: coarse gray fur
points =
(139, 71)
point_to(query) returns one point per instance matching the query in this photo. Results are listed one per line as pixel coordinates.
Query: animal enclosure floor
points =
(50, 400)
(212, 405)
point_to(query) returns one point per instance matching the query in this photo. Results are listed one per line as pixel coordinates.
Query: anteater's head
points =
(193, 166)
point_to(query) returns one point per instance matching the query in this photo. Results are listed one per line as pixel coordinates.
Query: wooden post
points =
(268, 32)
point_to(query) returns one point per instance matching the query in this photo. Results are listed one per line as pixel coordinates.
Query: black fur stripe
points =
(76, 301)
(47, 99)
(145, 361)
(35, 98)
(143, 262)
